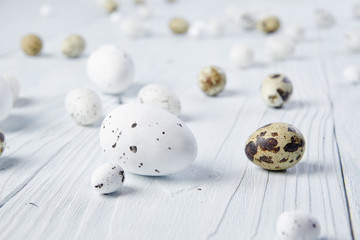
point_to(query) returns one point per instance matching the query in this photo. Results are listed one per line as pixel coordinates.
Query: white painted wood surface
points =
(45, 173)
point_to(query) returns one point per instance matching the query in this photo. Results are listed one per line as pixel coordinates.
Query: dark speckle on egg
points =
(133, 149)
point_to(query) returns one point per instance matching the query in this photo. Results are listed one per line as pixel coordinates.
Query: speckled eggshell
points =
(178, 25)
(297, 225)
(31, 45)
(108, 178)
(84, 106)
(2, 142)
(6, 99)
(275, 146)
(275, 90)
(111, 69)
(211, 80)
(160, 96)
(147, 140)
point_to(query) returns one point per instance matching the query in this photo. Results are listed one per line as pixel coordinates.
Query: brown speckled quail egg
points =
(275, 90)
(211, 80)
(160, 96)
(297, 225)
(147, 140)
(275, 146)
(2, 142)
(108, 178)
(83, 105)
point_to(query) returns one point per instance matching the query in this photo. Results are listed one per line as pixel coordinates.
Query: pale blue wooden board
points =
(50, 159)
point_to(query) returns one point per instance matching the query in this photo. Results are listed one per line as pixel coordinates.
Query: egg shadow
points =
(23, 102)
(7, 163)
(125, 190)
(258, 65)
(193, 174)
(306, 168)
(293, 104)
(14, 122)
(228, 93)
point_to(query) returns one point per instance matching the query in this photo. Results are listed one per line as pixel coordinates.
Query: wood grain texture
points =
(45, 173)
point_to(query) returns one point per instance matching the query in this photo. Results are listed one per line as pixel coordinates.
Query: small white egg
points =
(231, 11)
(215, 28)
(144, 11)
(356, 11)
(73, 46)
(133, 28)
(14, 86)
(294, 32)
(197, 29)
(279, 47)
(245, 20)
(352, 40)
(323, 18)
(160, 96)
(241, 55)
(83, 105)
(2, 142)
(108, 178)
(45, 10)
(115, 17)
(352, 74)
(6, 99)
(111, 69)
(297, 225)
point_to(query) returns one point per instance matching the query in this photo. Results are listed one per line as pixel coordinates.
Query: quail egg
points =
(31, 45)
(279, 47)
(178, 25)
(211, 80)
(2, 143)
(297, 225)
(241, 55)
(276, 146)
(275, 90)
(111, 69)
(268, 24)
(160, 96)
(352, 74)
(323, 18)
(108, 178)
(73, 46)
(84, 106)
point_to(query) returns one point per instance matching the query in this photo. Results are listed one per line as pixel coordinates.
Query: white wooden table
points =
(45, 173)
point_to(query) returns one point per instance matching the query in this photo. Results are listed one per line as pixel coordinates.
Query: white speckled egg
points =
(197, 29)
(73, 46)
(276, 146)
(108, 178)
(279, 47)
(147, 140)
(2, 142)
(111, 69)
(83, 105)
(212, 80)
(241, 55)
(352, 74)
(275, 90)
(352, 40)
(294, 32)
(323, 18)
(297, 225)
(215, 28)
(133, 28)
(13, 84)
(6, 99)
(160, 96)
